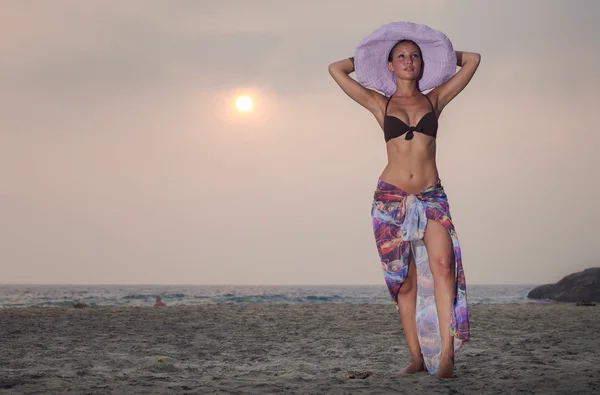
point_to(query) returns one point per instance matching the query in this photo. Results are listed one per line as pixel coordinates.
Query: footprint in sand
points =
(358, 375)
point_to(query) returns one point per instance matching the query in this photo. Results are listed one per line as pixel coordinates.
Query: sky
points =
(122, 160)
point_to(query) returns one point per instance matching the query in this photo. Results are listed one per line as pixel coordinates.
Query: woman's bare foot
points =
(413, 367)
(446, 367)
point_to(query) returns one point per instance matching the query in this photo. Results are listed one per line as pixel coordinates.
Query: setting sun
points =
(244, 103)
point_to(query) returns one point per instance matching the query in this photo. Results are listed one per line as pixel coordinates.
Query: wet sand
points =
(261, 349)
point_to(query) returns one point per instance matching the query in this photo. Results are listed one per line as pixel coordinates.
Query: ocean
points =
(145, 295)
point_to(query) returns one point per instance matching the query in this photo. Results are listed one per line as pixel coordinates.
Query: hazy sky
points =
(122, 161)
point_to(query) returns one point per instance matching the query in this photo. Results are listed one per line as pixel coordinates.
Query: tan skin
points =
(412, 167)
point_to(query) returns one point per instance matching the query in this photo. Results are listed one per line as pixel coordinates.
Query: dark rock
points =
(584, 285)
(585, 302)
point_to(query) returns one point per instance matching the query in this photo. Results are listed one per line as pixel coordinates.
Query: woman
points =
(411, 218)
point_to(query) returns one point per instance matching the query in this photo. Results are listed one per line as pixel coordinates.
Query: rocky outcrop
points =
(584, 285)
(585, 302)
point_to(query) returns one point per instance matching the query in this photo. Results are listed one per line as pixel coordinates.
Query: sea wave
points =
(60, 296)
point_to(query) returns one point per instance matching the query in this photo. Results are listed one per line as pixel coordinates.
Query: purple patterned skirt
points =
(399, 223)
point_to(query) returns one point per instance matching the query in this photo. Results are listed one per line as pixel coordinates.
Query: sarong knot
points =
(415, 219)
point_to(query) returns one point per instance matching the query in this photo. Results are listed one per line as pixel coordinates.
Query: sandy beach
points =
(260, 349)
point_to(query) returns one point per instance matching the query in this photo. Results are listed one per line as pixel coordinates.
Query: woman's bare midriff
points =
(411, 163)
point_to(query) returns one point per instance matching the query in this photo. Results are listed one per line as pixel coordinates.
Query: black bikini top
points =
(394, 127)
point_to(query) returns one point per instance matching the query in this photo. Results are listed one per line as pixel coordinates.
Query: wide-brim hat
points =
(371, 56)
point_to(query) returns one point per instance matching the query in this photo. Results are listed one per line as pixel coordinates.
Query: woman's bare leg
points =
(441, 262)
(407, 305)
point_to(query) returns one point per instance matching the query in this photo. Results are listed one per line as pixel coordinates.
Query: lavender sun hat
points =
(371, 56)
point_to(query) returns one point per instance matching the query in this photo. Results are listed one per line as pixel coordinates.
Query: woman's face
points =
(406, 61)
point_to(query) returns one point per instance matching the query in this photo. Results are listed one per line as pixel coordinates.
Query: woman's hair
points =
(401, 42)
